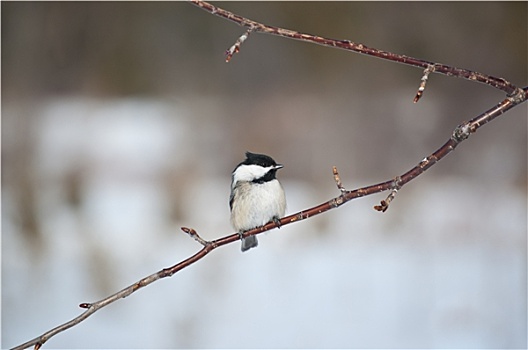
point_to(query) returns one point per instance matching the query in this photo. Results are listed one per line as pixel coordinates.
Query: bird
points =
(257, 197)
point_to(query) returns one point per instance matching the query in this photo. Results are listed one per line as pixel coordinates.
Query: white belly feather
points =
(257, 204)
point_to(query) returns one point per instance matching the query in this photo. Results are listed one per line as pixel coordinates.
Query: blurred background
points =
(121, 122)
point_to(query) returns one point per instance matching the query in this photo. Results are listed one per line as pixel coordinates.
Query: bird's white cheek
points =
(248, 173)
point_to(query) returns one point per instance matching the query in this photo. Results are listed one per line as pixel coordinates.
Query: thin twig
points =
(384, 204)
(236, 46)
(192, 232)
(257, 27)
(337, 180)
(423, 82)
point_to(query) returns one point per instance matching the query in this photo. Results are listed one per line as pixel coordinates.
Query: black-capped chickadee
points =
(257, 196)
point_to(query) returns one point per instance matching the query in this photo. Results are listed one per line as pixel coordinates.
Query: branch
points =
(461, 133)
(498, 83)
(515, 97)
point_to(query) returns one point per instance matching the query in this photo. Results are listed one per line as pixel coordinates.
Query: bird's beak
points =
(278, 166)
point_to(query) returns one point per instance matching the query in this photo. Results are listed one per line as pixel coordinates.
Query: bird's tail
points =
(249, 242)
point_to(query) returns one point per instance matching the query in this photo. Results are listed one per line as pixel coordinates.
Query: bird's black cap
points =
(259, 159)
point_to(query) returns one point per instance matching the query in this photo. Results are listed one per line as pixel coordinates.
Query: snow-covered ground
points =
(444, 267)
